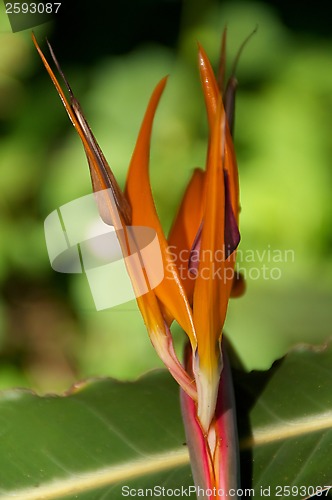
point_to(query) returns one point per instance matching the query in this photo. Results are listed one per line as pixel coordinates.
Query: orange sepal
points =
(185, 228)
(211, 95)
(170, 292)
(210, 282)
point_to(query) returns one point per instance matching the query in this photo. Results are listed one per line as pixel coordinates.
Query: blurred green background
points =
(113, 55)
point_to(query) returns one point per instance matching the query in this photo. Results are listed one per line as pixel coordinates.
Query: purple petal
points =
(232, 233)
(194, 252)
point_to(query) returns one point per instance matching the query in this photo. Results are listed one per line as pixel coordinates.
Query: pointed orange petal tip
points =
(209, 84)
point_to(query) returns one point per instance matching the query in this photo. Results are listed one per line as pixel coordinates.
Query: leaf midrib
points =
(83, 482)
(87, 481)
(288, 429)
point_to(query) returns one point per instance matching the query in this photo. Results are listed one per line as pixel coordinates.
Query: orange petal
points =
(185, 227)
(138, 191)
(210, 294)
(209, 84)
(201, 459)
(211, 93)
(210, 283)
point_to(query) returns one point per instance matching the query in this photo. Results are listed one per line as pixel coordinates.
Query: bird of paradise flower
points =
(206, 227)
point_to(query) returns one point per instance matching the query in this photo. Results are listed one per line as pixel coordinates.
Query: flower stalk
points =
(214, 457)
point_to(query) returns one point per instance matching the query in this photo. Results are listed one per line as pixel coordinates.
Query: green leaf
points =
(106, 434)
(291, 422)
(103, 435)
